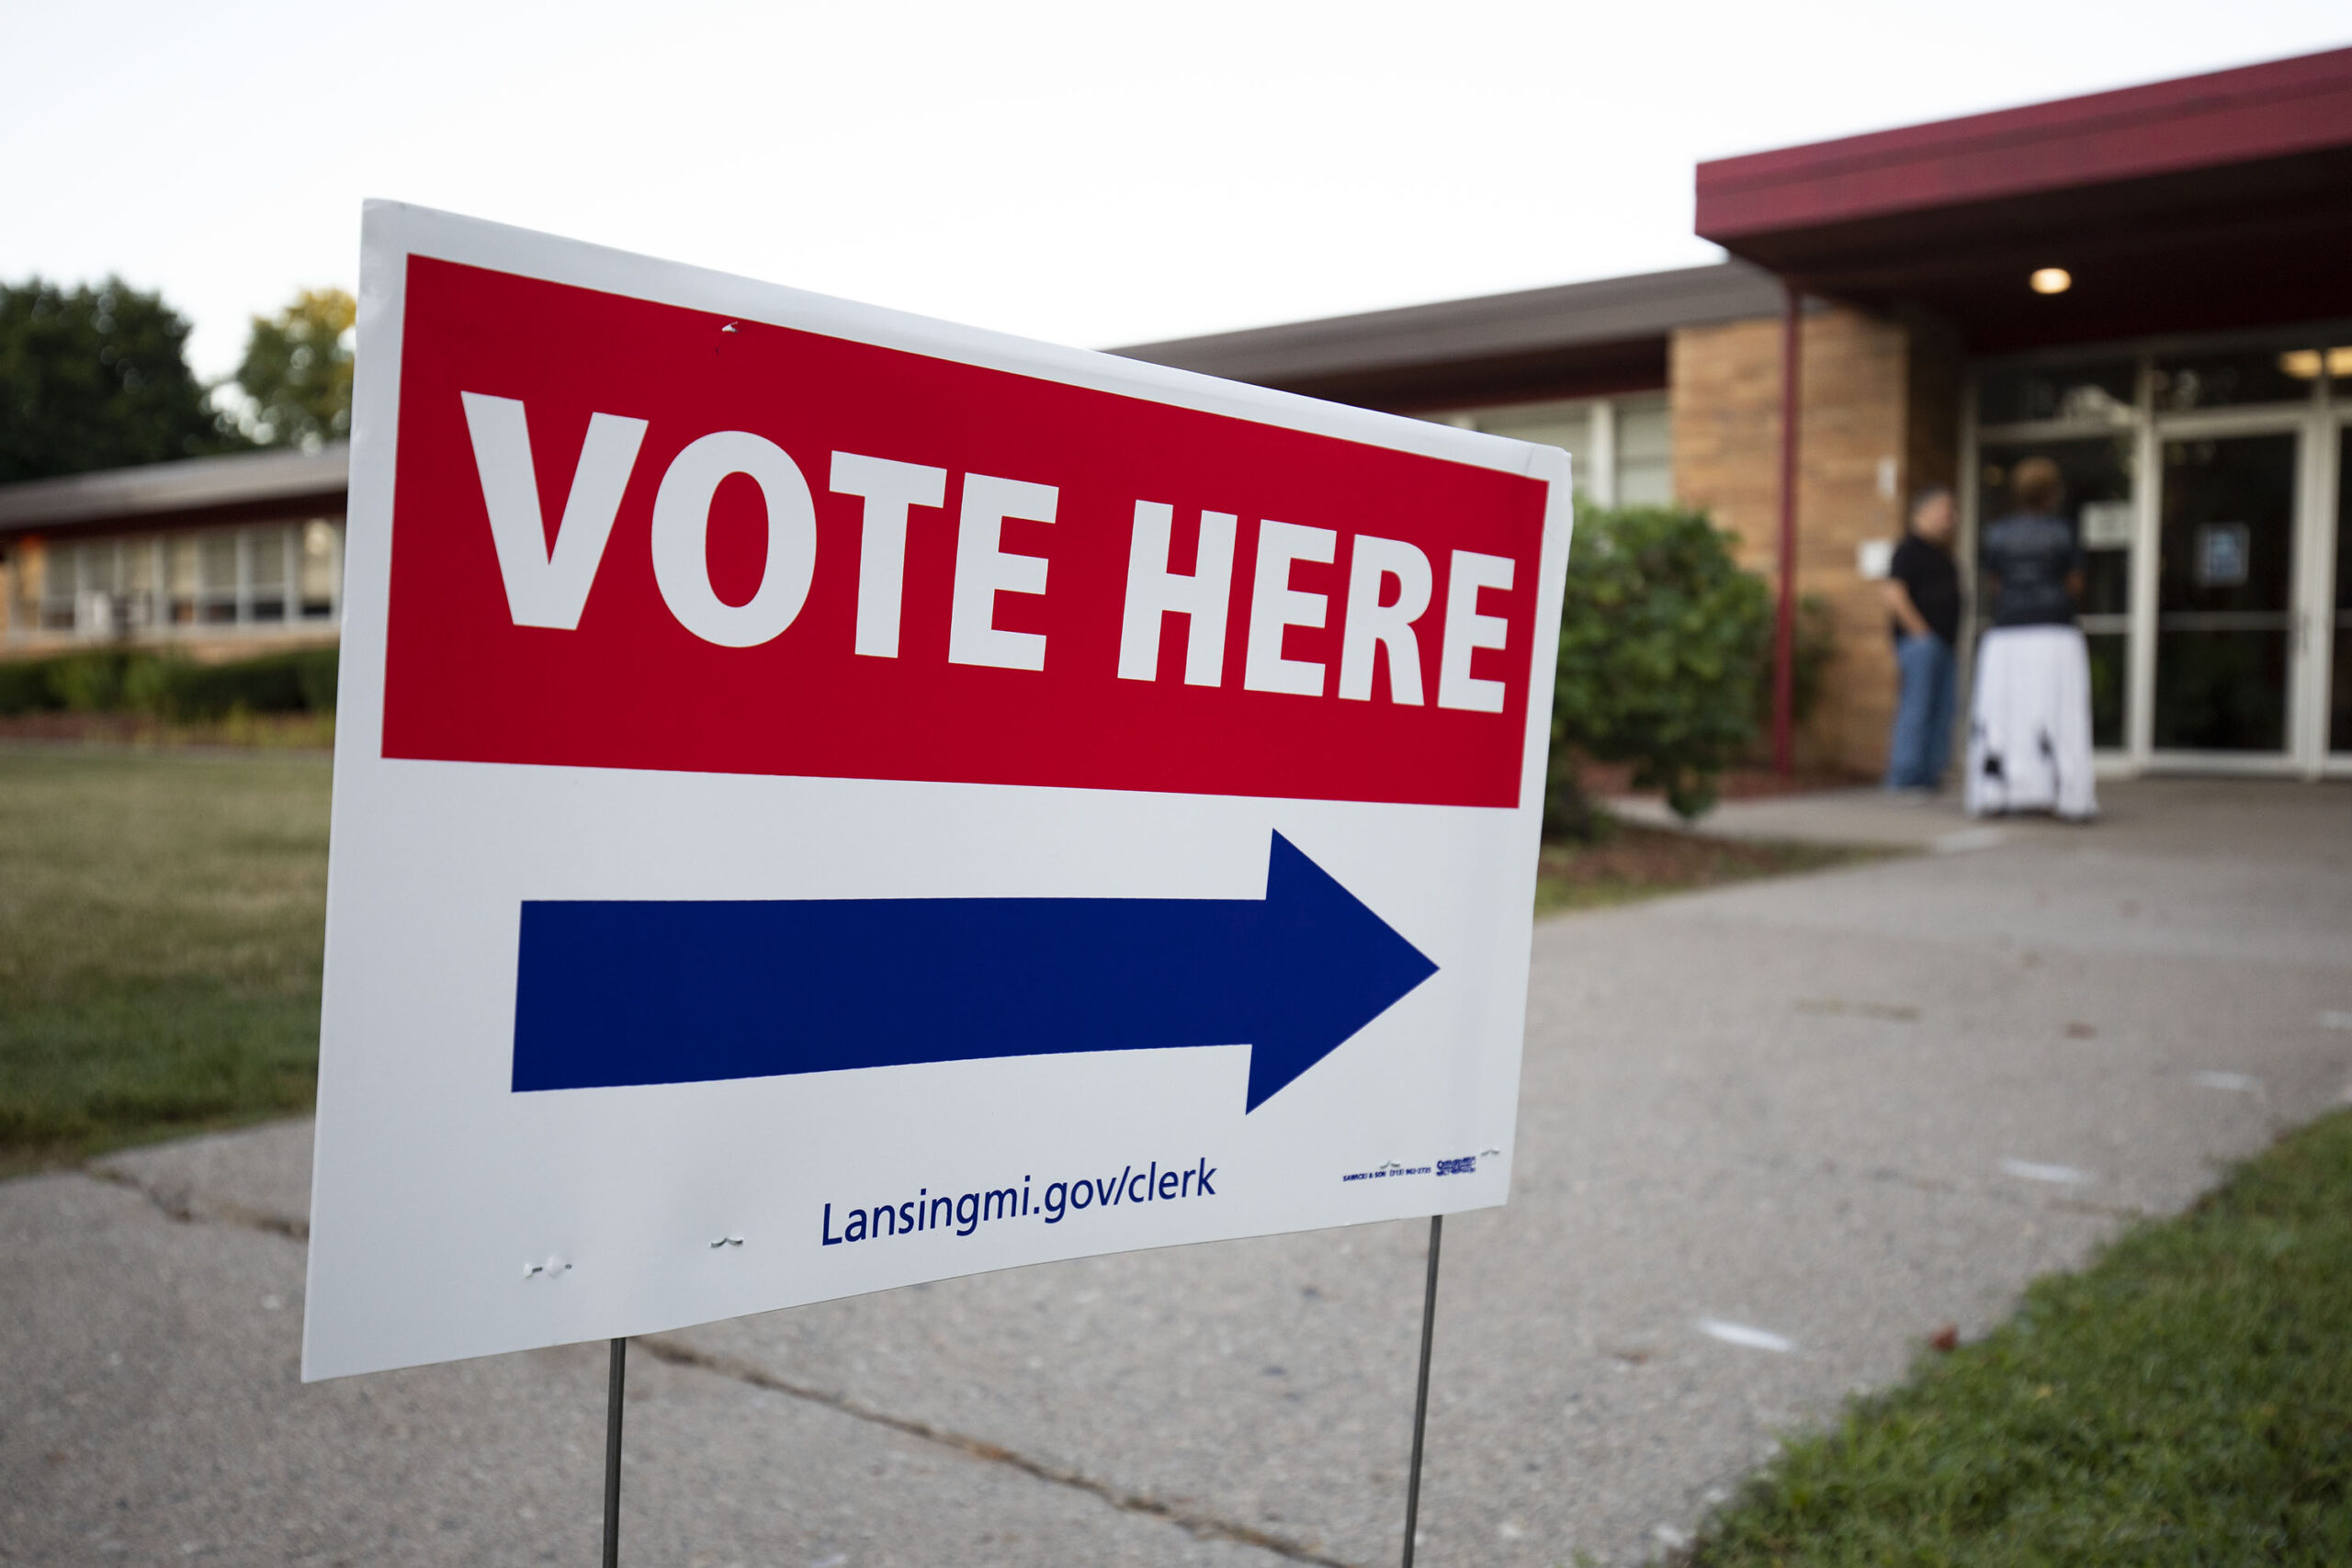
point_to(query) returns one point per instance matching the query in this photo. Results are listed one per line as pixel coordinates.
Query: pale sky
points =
(1087, 174)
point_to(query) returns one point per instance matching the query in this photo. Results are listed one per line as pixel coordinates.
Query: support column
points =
(1785, 618)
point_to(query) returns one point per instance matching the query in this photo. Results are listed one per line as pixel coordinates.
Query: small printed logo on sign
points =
(1459, 1165)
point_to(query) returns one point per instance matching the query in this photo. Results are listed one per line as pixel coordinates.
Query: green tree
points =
(1663, 640)
(97, 376)
(297, 372)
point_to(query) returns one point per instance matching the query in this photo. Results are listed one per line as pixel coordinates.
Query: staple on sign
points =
(2238, 1083)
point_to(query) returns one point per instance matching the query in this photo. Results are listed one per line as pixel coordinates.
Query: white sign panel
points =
(825, 799)
(2107, 525)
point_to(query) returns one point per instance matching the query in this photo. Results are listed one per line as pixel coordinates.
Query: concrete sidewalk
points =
(2188, 816)
(1772, 1138)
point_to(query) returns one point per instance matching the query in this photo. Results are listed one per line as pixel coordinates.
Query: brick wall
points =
(1879, 418)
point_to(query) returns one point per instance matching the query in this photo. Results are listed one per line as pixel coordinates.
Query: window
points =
(1620, 449)
(179, 576)
(216, 577)
(269, 570)
(319, 572)
(2036, 394)
(1566, 425)
(2209, 380)
(1645, 453)
(254, 575)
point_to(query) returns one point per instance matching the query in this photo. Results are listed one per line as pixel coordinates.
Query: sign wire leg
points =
(1420, 1392)
(619, 1380)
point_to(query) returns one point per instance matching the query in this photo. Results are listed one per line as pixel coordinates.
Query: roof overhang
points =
(1573, 340)
(244, 487)
(2210, 202)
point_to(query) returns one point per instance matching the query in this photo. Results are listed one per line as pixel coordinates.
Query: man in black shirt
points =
(1923, 597)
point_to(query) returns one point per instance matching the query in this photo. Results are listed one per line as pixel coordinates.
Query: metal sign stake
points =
(619, 1379)
(1420, 1392)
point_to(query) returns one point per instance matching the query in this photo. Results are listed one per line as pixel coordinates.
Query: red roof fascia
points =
(2275, 109)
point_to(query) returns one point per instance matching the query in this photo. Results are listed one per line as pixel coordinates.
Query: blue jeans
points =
(1922, 742)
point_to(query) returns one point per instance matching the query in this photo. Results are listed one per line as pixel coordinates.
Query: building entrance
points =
(2206, 483)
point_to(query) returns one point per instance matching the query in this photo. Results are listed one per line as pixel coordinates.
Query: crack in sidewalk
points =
(180, 1206)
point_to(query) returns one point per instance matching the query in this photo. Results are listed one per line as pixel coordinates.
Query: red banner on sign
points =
(628, 534)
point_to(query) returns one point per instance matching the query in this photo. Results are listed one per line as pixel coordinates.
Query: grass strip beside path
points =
(1631, 860)
(161, 921)
(2188, 1399)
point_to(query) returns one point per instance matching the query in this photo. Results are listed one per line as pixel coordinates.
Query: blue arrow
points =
(610, 992)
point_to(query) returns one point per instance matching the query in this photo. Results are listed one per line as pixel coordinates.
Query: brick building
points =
(2145, 285)
(221, 555)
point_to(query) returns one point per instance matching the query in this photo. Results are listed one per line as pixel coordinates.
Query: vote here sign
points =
(826, 800)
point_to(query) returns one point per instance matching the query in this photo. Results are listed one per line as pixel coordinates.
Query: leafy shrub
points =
(1663, 643)
(170, 685)
(318, 670)
(1816, 645)
(146, 684)
(88, 683)
(24, 687)
(275, 683)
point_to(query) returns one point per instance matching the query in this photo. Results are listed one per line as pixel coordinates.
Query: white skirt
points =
(2029, 729)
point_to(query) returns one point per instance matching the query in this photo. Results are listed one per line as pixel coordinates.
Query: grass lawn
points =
(160, 926)
(1632, 860)
(2186, 1400)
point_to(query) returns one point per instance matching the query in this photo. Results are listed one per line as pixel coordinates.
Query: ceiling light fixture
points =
(2051, 280)
(2305, 363)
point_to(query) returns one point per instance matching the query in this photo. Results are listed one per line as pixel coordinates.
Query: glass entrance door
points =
(2225, 605)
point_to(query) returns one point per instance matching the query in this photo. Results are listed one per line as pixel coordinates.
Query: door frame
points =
(2320, 546)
